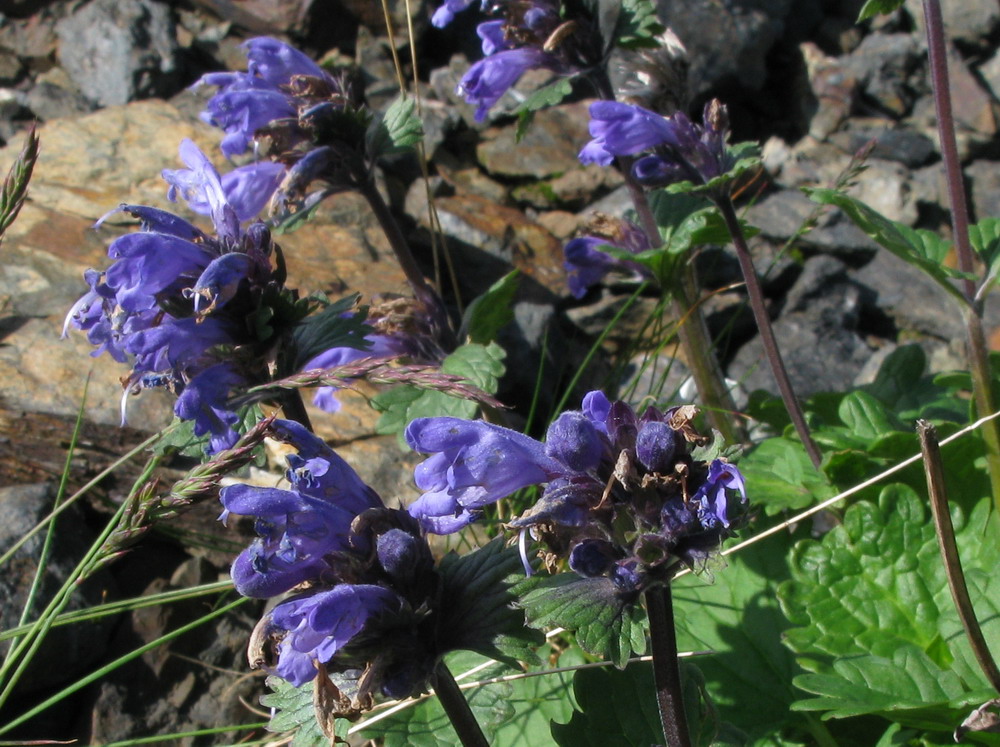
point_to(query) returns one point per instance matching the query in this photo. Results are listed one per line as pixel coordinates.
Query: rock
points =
(780, 216)
(972, 106)
(985, 179)
(889, 68)
(971, 22)
(550, 146)
(727, 44)
(892, 143)
(117, 52)
(55, 96)
(260, 16)
(834, 88)
(808, 163)
(885, 186)
(818, 342)
(69, 650)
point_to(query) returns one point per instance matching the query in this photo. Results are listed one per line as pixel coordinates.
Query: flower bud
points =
(655, 446)
(573, 440)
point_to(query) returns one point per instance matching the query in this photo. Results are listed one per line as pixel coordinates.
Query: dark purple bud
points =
(653, 171)
(622, 425)
(677, 520)
(655, 447)
(592, 557)
(399, 553)
(574, 441)
(628, 579)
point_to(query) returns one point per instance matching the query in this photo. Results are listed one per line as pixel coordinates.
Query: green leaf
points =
(875, 7)
(477, 602)
(337, 325)
(180, 439)
(605, 625)
(780, 476)
(920, 248)
(638, 26)
(619, 708)
(746, 159)
(874, 614)
(866, 417)
(490, 312)
(397, 131)
(292, 711)
(543, 98)
(985, 239)
(615, 708)
(538, 701)
(735, 616)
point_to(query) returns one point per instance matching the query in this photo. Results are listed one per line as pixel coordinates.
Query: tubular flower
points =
(174, 295)
(585, 263)
(680, 148)
(362, 576)
(624, 495)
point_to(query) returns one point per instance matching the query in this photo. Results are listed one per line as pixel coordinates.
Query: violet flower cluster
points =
(361, 575)
(681, 149)
(531, 35)
(175, 296)
(624, 498)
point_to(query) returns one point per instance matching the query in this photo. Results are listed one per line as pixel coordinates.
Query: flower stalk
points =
(666, 670)
(973, 315)
(457, 708)
(756, 296)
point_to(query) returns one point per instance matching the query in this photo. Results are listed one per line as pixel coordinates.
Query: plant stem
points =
(457, 708)
(401, 248)
(976, 339)
(666, 673)
(293, 408)
(949, 552)
(756, 296)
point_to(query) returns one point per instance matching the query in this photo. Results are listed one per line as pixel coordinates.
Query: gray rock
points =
(890, 70)
(833, 87)
(970, 21)
(985, 179)
(117, 52)
(726, 43)
(818, 342)
(780, 215)
(892, 143)
(550, 146)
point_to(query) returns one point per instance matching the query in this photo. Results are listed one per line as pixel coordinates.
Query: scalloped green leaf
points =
(873, 587)
(780, 476)
(866, 417)
(746, 159)
(733, 614)
(397, 131)
(985, 239)
(478, 596)
(605, 625)
(638, 27)
(920, 248)
(292, 712)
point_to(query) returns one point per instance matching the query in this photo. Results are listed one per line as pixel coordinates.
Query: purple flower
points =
(473, 464)
(712, 498)
(490, 78)
(320, 624)
(446, 13)
(622, 130)
(297, 528)
(247, 102)
(204, 400)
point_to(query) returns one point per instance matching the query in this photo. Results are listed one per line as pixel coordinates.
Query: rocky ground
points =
(109, 84)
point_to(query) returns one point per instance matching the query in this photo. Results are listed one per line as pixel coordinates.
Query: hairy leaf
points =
(293, 712)
(397, 131)
(873, 612)
(605, 625)
(638, 25)
(780, 476)
(339, 324)
(477, 601)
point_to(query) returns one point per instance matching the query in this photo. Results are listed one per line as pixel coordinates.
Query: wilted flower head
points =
(681, 149)
(624, 495)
